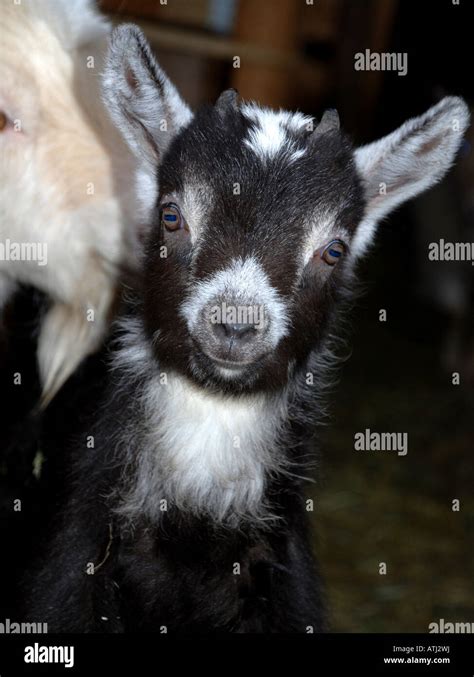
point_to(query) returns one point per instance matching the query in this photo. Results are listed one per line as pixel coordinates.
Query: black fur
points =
(268, 219)
(179, 573)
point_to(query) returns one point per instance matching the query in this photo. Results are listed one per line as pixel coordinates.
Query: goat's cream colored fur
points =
(60, 182)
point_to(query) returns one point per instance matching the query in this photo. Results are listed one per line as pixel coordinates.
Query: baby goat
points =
(188, 514)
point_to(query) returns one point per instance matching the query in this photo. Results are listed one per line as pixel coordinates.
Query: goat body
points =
(168, 529)
(188, 510)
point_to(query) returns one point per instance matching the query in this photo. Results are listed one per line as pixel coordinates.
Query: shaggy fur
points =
(190, 501)
(63, 177)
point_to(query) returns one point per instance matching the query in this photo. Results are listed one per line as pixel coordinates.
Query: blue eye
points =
(171, 217)
(333, 252)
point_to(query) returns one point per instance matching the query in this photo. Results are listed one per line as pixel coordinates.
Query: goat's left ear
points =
(407, 162)
(142, 101)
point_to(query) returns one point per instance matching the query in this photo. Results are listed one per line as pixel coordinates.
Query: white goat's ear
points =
(142, 101)
(407, 162)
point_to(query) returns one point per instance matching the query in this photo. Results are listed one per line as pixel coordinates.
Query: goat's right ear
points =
(142, 101)
(408, 161)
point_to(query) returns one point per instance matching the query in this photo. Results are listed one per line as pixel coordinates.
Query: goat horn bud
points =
(329, 122)
(229, 99)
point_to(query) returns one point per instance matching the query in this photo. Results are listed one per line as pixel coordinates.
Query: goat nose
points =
(237, 332)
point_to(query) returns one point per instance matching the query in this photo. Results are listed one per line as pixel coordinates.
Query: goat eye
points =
(171, 217)
(333, 252)
(3, 121)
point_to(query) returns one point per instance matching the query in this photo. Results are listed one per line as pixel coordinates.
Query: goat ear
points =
(142, 101)
(407, 162)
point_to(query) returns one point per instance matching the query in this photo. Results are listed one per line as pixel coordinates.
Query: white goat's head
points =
(59, 186)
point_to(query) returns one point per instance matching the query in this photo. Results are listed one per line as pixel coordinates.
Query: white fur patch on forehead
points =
(244, 283)
(270, 131)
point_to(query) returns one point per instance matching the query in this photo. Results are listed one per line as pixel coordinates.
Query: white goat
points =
(66, 212)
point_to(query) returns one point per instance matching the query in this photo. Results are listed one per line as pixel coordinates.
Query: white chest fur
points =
(204, 453)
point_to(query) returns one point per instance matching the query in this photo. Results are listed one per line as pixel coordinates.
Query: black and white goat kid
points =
(189, 512)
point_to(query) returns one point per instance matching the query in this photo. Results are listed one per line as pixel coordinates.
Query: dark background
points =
(369, 507)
